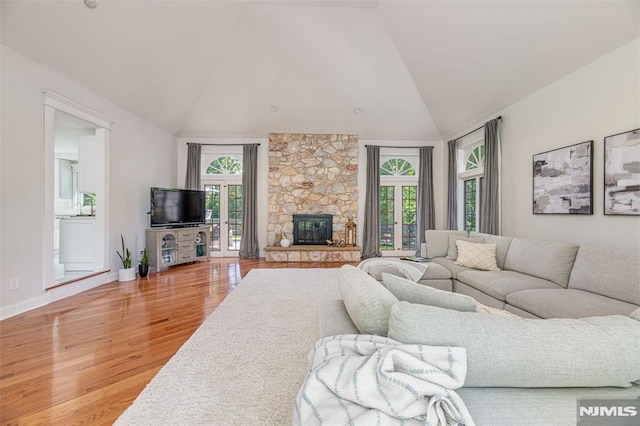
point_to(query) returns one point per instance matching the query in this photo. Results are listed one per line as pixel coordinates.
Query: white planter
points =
(128, 274)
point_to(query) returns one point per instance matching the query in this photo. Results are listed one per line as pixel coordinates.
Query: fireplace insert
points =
(312, 229)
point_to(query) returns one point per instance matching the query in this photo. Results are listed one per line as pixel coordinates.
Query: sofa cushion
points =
(334, 319)
(567, 303)
(452, 253)
(549, 260)
(543, 406)
(477, 256)
(438, 241)
(436, 272)
(502, 245)
(450, 265)
(520, 352)
(499, 284)
(612, 273)
(408, 291)
(366, 300)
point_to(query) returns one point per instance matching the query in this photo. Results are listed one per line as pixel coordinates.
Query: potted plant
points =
(143, 267)
(127, 273)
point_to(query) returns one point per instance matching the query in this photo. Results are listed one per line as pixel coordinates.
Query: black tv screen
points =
(177, 207)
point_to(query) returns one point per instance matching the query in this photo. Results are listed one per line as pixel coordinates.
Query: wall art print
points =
(622, 173)
(563, 180)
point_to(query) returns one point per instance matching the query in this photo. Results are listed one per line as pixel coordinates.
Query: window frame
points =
(466, 146)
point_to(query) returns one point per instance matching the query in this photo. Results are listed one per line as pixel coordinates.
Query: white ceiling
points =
(416, 69)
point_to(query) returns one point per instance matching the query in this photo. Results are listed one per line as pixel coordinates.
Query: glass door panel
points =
(398, 229)
(234, 215)
(387, 218)
(224, 215)
(213, 214)
(409, 210)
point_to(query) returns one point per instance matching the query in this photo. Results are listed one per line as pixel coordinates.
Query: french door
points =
(398, 204)
(224, 215)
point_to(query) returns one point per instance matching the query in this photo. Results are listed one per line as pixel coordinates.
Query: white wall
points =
(141, 155)
(598, 100)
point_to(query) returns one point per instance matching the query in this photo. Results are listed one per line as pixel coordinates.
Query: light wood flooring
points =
(84, 359)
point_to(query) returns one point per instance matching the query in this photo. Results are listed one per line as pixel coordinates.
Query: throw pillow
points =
(477, 256)
(367, 301)
(408, 291)
(452, 254)
(527, 353)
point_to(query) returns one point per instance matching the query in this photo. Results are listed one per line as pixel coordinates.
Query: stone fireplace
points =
(309, 229)
(312, 174)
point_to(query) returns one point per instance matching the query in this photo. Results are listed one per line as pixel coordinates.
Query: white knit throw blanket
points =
(371, 380)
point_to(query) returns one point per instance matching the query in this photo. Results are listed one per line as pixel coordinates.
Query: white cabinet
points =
(87, 176)
(168, 247)
(77, 243)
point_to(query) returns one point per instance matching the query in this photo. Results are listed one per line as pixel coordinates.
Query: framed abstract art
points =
(622, 173)
(563, 180)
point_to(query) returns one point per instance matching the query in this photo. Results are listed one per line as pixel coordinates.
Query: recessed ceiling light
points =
(91, 4)
(274, 108)
(357, 110)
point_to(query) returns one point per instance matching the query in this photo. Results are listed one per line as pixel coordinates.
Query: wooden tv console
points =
(175, 246)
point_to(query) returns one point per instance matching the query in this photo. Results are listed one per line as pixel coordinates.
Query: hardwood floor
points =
(84, 359)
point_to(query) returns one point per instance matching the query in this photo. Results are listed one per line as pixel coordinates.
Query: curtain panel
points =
(452, 186)
(192, 178)
(490, 197)
(371, 227)
(249, 248)
(425, 215)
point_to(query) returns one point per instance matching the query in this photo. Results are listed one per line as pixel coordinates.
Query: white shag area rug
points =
(247, 361)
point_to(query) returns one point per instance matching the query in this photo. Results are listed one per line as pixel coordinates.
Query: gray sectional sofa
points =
(520, 371)
(539, 279)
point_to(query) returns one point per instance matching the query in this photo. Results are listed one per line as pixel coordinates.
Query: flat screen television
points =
(177, 207)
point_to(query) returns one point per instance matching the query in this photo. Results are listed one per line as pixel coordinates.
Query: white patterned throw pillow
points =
(477, 256)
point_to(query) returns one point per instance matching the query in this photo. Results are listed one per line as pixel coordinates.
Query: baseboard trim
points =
(57, 293)
(22, 307)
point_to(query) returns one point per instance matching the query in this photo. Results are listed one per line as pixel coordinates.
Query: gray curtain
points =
(371, 228)
(192, 178)
(249, 248)
(426, 215)
(452, 186)
(490, 196)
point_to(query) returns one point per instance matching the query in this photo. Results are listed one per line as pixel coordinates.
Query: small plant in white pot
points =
(127, 273)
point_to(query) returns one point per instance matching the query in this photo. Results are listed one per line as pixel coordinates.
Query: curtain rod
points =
(475, 130)
(384, 146)
(221, 144)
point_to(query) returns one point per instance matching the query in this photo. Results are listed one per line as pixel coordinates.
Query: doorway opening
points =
(76, 193)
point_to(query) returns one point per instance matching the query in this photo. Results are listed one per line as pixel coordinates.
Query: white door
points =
(224, 214)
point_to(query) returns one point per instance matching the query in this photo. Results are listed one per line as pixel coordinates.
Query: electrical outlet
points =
(14, 283)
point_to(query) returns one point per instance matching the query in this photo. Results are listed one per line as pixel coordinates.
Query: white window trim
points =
(465, 148)
(398, 182)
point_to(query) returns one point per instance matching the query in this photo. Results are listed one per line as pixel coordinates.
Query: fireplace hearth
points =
(312, 229)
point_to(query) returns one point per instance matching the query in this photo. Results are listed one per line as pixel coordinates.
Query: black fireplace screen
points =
(312, 228)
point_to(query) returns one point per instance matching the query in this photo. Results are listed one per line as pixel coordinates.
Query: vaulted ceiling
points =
(415, 69)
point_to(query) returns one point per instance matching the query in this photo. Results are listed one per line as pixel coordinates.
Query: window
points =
(398, 205)
(470, 175)
(225, 165)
